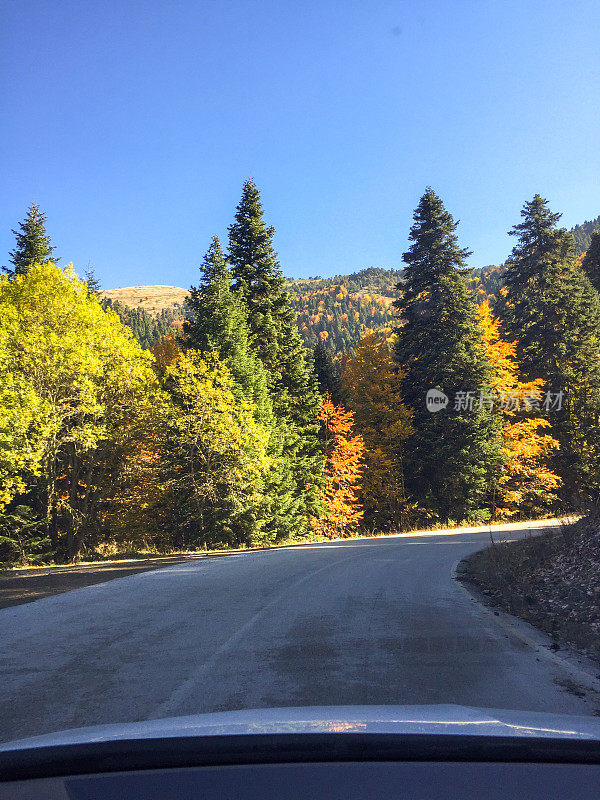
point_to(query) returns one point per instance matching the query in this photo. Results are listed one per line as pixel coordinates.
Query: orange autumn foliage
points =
(166, 351)
(372, 383)
(342, 473)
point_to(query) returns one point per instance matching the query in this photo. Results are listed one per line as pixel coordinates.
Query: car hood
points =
(415, 720)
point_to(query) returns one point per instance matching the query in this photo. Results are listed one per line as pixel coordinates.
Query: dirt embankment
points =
(551, 580)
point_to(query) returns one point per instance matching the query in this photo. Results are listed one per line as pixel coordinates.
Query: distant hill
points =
(334, 310)
(152, 299)
(150, 311)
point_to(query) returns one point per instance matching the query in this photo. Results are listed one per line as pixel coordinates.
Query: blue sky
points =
(133, 124)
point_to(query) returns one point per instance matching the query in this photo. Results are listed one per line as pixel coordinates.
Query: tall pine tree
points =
(33, 243)
(277, 343)
(551, 309)
(218, 322)
(454, 453)
(271, 318)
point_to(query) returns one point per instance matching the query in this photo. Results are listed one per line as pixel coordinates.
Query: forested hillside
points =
(457, 396)
(147, 328)
(338, 311)
(582, 234)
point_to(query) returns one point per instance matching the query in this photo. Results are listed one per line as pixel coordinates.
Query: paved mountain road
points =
(364, 621)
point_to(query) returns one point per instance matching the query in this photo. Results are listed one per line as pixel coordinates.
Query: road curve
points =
(362, 621)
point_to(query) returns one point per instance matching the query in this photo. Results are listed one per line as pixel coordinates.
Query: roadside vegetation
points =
(551, 580)
(231, 432)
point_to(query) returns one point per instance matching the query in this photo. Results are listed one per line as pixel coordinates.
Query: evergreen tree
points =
(92, 281)
(582, 234)
(327, 372)
(258, 276)
(276, 341)
(591, 261)
(271, 319)
(217, 321)
(33, 243)
(453, 453)
(553, 312)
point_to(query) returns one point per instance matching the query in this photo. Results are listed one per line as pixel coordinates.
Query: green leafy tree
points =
(217, 323)
(33, 243)
(83, 376)
(551, 310)
(216, 453)
(452, 455)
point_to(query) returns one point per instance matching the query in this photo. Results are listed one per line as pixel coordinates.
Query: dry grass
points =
(153, 299)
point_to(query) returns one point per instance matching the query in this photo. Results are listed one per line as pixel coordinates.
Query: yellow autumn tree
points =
(526, 484)
(342, 473)
(371, 382)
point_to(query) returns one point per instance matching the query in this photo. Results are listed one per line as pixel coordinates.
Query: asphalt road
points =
(369, 621)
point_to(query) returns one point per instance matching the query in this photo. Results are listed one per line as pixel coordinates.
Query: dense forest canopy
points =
(264, 410)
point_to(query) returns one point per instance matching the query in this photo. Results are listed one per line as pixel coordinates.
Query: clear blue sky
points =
(133, 123)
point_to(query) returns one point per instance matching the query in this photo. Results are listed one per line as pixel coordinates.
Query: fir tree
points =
(453, 453)
(91, 280)
(553, 312)
(258, 276)
(327, 372)
(276, 341)
(591, 261)
(217, 321)
(275, 338)
(33, 243)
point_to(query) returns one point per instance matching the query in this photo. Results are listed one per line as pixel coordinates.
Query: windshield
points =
(300, 359)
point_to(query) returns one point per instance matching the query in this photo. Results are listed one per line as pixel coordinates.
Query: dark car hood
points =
(420, 719)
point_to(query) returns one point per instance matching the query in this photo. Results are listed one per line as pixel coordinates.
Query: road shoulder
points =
(27, 585)
(581, 672)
